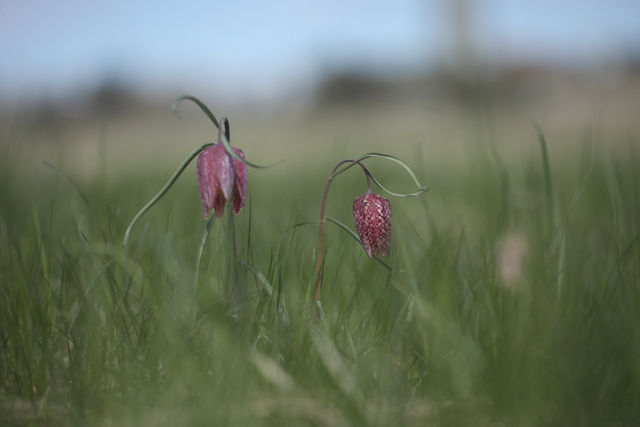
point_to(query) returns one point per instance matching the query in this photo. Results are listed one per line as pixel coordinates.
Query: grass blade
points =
(277, 257)
(69, 180)
(282, 309)
(322, 316)
(203, 240)
(547, 175)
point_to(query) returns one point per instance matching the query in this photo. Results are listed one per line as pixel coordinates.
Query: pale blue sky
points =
(265, 48)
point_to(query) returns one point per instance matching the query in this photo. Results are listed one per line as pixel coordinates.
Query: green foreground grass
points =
(518, 302)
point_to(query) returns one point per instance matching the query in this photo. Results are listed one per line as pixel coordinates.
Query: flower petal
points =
(225, 172)
(239, 184)
(372, 215)
(384, 234)
(216, 176)
(219, 204)
(207, 182)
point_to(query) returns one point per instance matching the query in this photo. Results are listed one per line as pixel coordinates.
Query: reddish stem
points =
(321, 222)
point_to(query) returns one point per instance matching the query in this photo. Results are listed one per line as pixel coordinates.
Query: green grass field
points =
(517, 303)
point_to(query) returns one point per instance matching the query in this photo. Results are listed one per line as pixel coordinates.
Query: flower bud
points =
(372, 215)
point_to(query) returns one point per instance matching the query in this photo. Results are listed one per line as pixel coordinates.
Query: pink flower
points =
(221, 178)
(372, 215)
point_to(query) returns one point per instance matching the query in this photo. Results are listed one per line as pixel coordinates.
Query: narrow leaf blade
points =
(164, 190)
(282, 309)
(203, 107)
(355, 236)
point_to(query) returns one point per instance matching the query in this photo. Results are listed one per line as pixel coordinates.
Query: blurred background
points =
(248, 51)
(67, 66)
(87, 87)
(518, 301)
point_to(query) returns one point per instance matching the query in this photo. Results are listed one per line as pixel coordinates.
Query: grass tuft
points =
(517, 303)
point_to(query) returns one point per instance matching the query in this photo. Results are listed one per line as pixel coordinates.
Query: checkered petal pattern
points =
(239, 184)
(372, 215)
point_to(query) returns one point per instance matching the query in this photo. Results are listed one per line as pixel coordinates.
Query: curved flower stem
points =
(332, 175)
(227, 129)
(393, 159)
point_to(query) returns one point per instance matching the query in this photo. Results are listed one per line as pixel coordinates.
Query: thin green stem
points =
(357, 238)
(203, 240)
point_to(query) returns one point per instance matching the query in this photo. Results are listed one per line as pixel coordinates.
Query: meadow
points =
(514, 297)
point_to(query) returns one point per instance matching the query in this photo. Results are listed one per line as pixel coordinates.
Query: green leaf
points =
(417, 193)
(355, 236)
(547, 177)
(224, 138)
(204, 108)
(393, 159)
(164, 190)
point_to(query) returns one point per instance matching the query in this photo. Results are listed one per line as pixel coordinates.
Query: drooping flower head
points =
(221, 178)
(372, 215)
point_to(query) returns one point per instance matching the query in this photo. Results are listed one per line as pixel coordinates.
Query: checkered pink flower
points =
(372, 215)
(221, 178)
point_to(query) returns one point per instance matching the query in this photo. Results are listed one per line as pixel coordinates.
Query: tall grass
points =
(517, 304)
